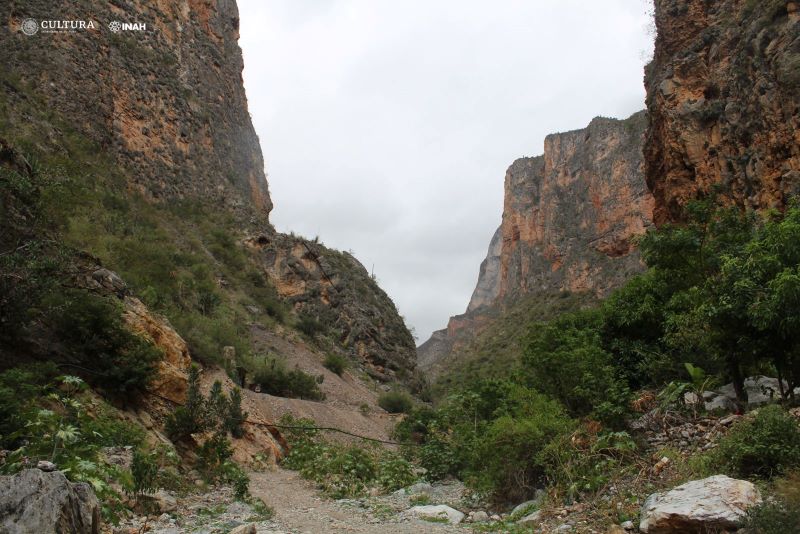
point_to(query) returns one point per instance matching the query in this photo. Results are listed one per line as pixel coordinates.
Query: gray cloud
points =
(387, 126)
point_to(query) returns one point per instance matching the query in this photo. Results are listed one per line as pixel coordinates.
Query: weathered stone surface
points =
(723, 92)
(436, 511)
(47, 503)
(715, 503)
(570, 218)
(480, 516)
(171, 381)
(167, 103)
(760, 390)
(335, 288)
(531, 519)
(249, 528)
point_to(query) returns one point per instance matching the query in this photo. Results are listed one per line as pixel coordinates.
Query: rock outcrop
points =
(569, 220)
(333, 288)
(47, 503)
(167, 102)
(716, 503)
(171, 382)
(723, 95)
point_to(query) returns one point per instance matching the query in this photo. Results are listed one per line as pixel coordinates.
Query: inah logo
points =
(117, 26)
(30, 26)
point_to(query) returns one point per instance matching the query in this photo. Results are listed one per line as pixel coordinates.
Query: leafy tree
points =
(565, 359)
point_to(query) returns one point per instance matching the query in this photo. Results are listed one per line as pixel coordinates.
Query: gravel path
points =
(299, 509)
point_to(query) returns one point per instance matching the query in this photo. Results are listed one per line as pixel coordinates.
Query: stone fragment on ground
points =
(531, 519)
(435, 511)
(47, 503)
(714, 503)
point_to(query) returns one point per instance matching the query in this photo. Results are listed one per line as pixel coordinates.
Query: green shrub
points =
(91, 329)
(439, 456)
(396, 402)
(341, 470)
(19, 388)
(190, 418)
(234, 416)
(780, 511)
(394, 473)
(144, 472)
(310, 326)
(512, 449)
(565, 359)
(772, 518)
(212, 455)
(335, 363)
(273, 378)
(764, 446)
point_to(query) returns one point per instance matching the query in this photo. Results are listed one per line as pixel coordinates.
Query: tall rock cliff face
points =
(569, 220)
(167, 102)
(723, 95)
(157, 121)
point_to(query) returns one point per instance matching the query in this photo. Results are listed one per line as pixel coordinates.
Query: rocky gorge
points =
(570, 221)
(169, 362)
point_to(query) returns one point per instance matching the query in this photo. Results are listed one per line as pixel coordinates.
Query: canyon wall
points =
(723, 95)
(569, 220)
(168, 102)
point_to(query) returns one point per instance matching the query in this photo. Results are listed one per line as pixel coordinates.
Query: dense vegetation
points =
(720, 301)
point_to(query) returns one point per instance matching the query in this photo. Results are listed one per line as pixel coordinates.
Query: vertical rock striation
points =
(723, 95)
(569, 220)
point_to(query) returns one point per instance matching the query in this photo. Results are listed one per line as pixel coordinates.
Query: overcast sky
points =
(387, 125)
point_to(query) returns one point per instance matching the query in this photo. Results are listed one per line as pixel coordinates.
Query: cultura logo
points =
(30, 26)
(115, 26)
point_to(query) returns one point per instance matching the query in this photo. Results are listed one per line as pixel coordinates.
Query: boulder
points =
(480, 516)
(47, 503)
(531, 519)
(759, 389)
(419, 487)
(523, 507)
(715, 503)
(437, 511)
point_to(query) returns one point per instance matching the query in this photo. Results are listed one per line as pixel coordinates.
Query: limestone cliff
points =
(167, 102)
(569, 220)
(160, 114)
(723, 95)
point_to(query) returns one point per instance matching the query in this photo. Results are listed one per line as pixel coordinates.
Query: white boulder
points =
(714, 503)
(436, 511)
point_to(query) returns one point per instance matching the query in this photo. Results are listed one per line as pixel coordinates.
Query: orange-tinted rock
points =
(168, 103)
(570, 218)
(171, 382)
(723, 95)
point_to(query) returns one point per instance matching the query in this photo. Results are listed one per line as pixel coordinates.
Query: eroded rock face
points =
(723, 94)
(171, 382)
(570, 215)
(336, 289)
(569, 220)
(47, 503)
(168, 102)
(713, 504)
